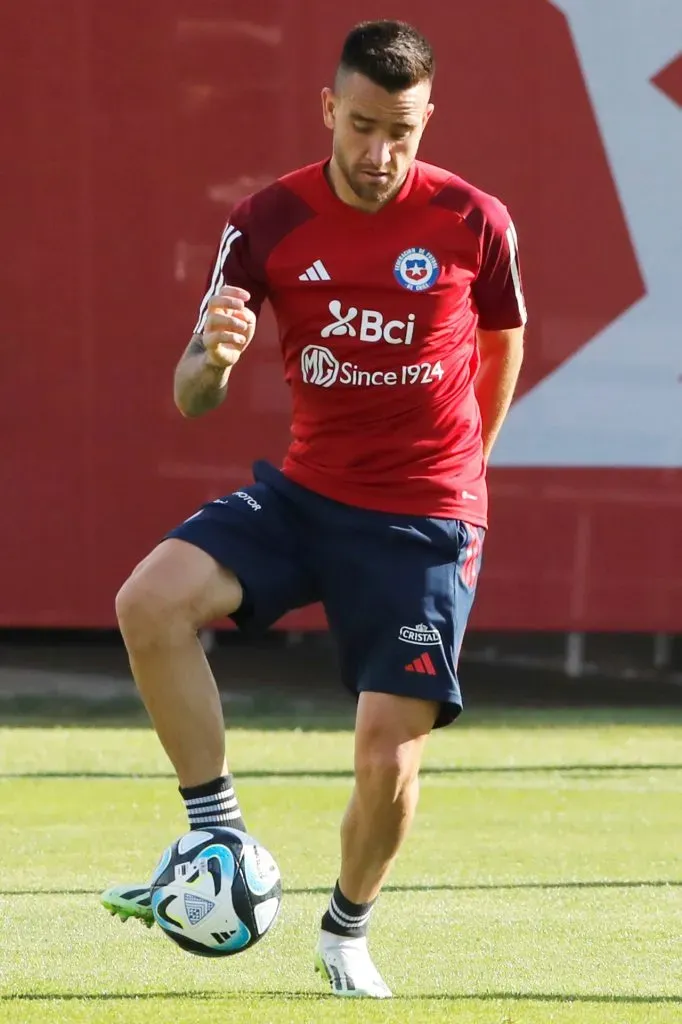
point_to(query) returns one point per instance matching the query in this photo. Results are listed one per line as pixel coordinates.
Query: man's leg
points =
(169, 596)
(180, 587)
(399, 634)
(390, 736)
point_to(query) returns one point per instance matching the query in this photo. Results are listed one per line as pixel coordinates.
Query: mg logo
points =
(319, 366)
(372, 326)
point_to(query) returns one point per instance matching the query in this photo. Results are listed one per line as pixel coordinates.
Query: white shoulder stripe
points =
(514, 267)
(230, 235)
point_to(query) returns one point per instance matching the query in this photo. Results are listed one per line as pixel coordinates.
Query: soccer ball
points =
(216, 891)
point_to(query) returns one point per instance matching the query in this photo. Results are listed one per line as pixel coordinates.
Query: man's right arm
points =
(235, 290)
(198, 386)
(201, 375)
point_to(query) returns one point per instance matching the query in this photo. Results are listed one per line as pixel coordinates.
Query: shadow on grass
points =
(642, 883)
(451, 997)
(583, 770)
(274, 710)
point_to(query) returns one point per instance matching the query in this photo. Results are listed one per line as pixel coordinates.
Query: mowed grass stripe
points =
(642, 883)
(302, 1008)
(311, 773)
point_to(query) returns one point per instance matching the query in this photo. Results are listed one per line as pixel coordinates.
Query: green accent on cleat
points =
(321, 968)
(116, 901)
(124, 914)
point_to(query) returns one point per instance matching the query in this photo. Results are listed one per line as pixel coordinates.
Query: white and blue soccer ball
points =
(216, 892)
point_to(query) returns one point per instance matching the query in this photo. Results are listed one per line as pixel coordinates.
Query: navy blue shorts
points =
(397, 589)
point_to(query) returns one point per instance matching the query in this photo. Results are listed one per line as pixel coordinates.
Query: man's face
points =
(376, 134)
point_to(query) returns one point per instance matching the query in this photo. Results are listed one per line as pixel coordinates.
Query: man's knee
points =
(382, 774)
(145, 609)
(177, 589)
(390, 736)
(386, 766)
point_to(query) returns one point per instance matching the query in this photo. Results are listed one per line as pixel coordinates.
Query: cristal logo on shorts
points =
(421, 634)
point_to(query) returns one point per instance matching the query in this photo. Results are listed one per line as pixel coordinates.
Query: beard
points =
(369, 191)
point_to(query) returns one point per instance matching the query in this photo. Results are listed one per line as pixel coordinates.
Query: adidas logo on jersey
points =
(316, 272)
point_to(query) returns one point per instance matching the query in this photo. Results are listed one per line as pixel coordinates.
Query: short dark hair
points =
(391, 54)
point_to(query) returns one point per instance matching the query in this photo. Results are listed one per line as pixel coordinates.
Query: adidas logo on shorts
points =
(422, 665)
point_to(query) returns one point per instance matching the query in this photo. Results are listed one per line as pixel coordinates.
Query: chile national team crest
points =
(416, 269)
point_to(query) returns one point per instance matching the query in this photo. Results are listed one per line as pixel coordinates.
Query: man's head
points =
(378, 109)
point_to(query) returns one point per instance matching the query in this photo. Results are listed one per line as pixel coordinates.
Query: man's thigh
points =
(255, 534)
(398, 604)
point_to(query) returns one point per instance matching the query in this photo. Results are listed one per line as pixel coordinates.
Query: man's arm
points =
(198, 386)
(202, 374)
(498, 293)
(227, 318)
(501, 355)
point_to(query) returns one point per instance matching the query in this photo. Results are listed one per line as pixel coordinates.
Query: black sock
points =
(345, 918)
(213, 805)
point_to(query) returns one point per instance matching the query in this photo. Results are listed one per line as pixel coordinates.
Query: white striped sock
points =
(220, 807)
(346, 918)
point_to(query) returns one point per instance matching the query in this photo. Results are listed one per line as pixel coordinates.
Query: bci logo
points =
(372, 326)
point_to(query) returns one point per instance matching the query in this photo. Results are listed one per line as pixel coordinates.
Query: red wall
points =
(130, 130)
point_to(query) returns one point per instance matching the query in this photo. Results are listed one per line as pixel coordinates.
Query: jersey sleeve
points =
(234, 264)
(498, 289)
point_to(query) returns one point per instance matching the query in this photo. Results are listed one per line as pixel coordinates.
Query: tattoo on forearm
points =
(198, 389)
(196, 346)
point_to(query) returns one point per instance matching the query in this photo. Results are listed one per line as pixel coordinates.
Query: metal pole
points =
(663, 649)
(575, 655)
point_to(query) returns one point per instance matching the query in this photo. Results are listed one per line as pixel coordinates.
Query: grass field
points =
(542, 883)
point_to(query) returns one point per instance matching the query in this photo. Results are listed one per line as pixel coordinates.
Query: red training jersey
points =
(377, 317)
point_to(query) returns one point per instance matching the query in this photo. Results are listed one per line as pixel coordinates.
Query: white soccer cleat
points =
(348, 967)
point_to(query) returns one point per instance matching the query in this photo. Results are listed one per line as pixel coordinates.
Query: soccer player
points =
(397, 293)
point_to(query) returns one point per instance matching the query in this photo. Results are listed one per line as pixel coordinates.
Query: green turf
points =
(542, 883)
